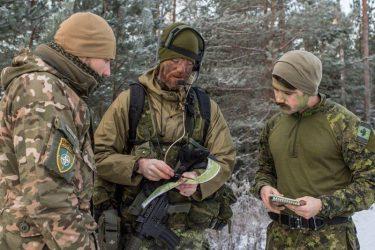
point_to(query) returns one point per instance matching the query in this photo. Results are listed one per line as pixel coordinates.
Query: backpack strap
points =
(137, 101)
(204, 108)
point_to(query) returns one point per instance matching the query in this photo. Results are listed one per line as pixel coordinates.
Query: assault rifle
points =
(152, 223)
(152, 220)
(191, 156)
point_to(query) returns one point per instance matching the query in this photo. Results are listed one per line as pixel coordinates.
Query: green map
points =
(213, 168)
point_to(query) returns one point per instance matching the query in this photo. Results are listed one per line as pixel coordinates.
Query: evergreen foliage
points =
(243, 40)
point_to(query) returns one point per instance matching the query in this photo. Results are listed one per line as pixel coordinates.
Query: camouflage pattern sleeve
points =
(46, 147)
(266, 174)
(357, 143)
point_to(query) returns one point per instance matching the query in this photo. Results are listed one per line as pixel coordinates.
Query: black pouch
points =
(109, 230)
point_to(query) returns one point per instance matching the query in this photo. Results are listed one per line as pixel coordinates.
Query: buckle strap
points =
(179, 208)
(185, 52)
(337, 220)
(298, 222)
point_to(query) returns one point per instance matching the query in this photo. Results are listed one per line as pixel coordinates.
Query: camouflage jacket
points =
(111, 138)
(46, 157)
(325, 152)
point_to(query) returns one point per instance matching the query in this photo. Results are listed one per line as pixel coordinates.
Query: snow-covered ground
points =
(365, 224)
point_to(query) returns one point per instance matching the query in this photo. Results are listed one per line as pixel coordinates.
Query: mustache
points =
(182, 76)
(282, 105)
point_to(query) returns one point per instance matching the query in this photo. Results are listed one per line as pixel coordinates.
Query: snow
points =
(365, 224)
(345, 6)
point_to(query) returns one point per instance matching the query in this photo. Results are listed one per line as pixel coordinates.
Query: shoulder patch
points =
(363, 133)
(65, 157)
(61, 151)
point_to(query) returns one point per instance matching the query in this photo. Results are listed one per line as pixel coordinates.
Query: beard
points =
(171, 77)
(171, 82)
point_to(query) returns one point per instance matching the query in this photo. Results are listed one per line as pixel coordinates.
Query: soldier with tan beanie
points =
(46, 157)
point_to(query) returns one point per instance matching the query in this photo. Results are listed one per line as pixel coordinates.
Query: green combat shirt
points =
(326, 152)
(46, 158)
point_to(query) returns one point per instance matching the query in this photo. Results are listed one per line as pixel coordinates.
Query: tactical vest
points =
(213, 212)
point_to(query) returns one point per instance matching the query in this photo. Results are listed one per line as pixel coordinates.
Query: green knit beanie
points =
(186, 39)
(301, 69)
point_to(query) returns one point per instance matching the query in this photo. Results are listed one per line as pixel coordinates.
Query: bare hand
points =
(265, 193)
(310, 209)
(154, 170)
(188, 189)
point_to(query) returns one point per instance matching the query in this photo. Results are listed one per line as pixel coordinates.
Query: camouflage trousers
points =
(10, 241)
(340, 236)
(189, 240)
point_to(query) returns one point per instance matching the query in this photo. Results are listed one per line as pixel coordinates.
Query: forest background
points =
(243, 38)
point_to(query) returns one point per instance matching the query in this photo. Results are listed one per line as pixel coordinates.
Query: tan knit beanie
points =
(301, 69)
(85, 34)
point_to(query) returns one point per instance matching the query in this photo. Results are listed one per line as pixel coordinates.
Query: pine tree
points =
(24, 24)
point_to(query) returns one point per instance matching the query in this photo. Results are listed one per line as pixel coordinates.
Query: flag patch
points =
(65, 157)
(363, 133)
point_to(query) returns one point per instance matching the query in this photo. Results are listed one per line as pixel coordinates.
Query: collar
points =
(76, 77)
(315, 109)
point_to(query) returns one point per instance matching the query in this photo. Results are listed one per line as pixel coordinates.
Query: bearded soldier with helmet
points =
(316, 152)
(148, 136)
(46, 156)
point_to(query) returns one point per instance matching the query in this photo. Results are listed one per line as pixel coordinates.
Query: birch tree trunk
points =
(174, 11)
(366, 67)
(343, 76)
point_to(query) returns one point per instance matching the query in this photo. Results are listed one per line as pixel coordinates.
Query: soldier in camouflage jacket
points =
(317, 151)
(46, 156)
